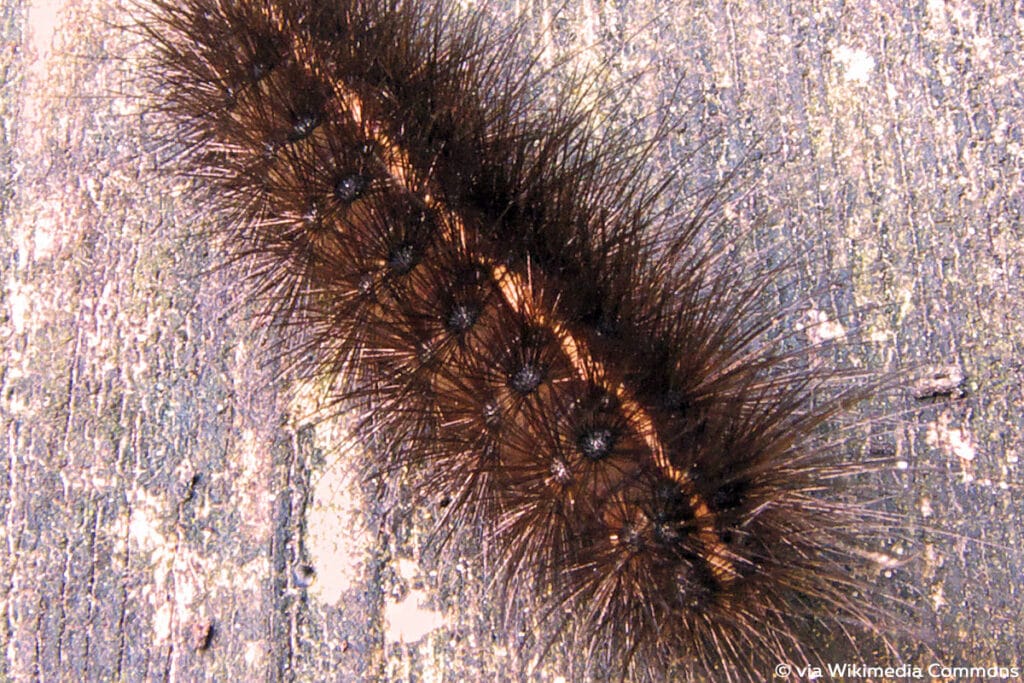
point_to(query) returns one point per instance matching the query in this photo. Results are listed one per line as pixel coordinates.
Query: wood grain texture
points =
(165, 501)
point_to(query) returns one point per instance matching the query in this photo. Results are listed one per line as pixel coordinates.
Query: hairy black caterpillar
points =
(490, 283)
(595, 659)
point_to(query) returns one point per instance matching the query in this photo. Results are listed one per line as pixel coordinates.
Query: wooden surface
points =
(170, 512)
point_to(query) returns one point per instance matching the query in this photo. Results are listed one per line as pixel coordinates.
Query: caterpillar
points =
(484, 278)
(481, 280)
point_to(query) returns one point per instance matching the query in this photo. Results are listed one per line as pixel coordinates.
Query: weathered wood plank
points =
(164, 497)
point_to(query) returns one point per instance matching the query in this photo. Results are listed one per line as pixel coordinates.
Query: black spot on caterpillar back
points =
(589, 385)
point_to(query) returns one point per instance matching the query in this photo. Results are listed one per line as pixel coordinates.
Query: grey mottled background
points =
(172, 513)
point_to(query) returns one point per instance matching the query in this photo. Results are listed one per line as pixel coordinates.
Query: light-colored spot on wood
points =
(408, 621)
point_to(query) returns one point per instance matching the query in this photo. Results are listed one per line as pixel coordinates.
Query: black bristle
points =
(575, 372)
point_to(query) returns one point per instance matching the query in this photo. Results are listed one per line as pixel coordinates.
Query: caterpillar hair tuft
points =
(527, 320)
